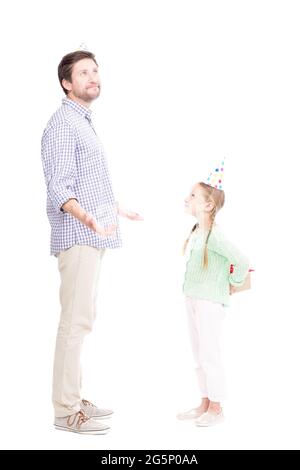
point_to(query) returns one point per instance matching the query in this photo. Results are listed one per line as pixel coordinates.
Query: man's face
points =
(85, 84)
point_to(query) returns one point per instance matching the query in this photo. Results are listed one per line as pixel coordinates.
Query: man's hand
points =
(133, 216)
(91, 223)
(129, 214)
(74, 208)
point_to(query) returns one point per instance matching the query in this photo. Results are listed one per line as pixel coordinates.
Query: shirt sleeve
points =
(59, 164)
(241, 263)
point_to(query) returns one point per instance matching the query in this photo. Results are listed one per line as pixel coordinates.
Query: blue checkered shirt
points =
(75, 166)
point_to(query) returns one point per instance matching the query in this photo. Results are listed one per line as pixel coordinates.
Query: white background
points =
(183, 84)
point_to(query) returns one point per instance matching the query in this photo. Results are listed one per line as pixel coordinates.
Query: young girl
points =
(207, 288)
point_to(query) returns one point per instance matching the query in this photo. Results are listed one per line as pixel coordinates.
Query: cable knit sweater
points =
(212, 283)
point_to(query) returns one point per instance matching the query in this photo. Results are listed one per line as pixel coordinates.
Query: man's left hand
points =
(129, 214)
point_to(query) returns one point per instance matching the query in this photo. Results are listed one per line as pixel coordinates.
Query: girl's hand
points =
(231, 289)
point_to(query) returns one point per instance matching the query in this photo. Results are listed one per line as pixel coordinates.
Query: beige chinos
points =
(79, 268)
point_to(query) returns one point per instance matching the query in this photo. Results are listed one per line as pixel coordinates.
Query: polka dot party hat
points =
(216, 177)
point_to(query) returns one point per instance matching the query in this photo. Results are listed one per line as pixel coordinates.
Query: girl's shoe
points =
(210, 419)
(191, 414)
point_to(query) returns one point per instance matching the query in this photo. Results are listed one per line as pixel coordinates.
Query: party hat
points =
(216, 177)
(82, 47)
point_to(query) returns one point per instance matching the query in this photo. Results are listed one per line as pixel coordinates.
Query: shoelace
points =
(88, 403)
(81, 418)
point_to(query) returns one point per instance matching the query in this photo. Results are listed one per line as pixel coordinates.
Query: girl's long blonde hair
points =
(217, 197)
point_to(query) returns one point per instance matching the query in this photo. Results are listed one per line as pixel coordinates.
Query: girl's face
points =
(195, 204)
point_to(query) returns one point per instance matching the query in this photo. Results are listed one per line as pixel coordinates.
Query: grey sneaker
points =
(80, 423)
(92, 411)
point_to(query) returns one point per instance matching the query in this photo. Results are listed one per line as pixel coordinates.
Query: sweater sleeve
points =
(226, 249)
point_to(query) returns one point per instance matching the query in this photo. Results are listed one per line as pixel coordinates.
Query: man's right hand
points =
(91, 223)
(73, 207)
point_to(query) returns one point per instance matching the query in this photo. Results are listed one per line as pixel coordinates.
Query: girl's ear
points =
(209, 206)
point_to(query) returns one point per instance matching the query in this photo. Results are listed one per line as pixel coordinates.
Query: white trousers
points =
(79, 268)
(205, 321)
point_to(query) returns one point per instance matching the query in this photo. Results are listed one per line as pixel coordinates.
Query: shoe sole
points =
(188, 418)
(96, 432)
(209, 425)
(102, 417)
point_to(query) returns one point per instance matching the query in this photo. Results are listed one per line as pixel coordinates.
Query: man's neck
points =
(86, 104)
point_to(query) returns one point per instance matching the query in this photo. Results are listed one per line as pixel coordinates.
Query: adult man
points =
(83, 216)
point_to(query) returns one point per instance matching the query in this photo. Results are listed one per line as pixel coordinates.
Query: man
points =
(83, 216)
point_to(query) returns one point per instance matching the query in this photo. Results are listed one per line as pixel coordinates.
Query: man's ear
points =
(66, 84)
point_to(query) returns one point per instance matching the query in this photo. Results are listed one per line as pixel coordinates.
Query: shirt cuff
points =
(58, 200)
(61, 209)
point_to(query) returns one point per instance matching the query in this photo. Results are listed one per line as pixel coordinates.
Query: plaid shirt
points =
(74, 166)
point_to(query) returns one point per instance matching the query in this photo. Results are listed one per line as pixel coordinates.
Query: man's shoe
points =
(210, 419)
(92, 411)
(80, 423)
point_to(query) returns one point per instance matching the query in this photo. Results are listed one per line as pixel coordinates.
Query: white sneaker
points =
(191, 414)
(210, 419)
(80, 423)
(92, 411)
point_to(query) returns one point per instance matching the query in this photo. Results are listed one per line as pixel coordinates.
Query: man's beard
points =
(85, 96)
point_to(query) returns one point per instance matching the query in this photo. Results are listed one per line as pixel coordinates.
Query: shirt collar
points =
(78, 107)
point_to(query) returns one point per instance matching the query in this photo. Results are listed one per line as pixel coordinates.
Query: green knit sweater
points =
(213, 283)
